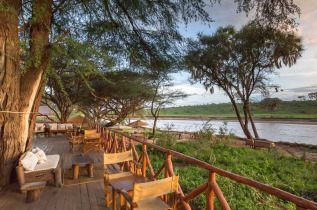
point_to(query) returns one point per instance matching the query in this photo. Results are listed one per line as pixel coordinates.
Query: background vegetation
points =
(288, 109)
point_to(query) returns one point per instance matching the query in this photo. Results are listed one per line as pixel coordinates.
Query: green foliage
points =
(289, 109)
(270, 104)
(225, 135)
(166, 140)
(287, 173)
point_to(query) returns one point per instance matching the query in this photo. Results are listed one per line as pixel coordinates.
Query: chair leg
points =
(107, 194)
(114, 203)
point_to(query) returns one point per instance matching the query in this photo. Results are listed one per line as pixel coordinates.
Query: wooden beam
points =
(193, 194)
(222, 200)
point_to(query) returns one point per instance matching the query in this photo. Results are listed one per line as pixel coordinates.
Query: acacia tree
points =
(240, 62)
(41, 25)
(313, 95)
(127, 28)
(123, 93)
(270, 104)
(163, 96)
(62, 93)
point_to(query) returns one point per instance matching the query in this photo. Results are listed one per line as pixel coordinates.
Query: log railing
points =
(115, 141)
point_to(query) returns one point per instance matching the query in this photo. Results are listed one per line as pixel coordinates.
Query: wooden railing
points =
(115, 141)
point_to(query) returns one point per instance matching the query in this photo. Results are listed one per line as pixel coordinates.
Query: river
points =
(274, 131)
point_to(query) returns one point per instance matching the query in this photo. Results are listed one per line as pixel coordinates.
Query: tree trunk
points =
(11, 141)
(154, 125)
(243, 126)
(255, 131)
(20, 94)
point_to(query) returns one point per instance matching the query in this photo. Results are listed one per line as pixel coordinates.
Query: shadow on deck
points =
(87, 194)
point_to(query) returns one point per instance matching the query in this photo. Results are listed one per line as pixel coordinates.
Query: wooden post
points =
(115, 143)
(20, 175)
(144, 160)
(58, 177)
(109, 142)
(90, 169)
(166, 173)
(33, 195)
(209, 191)
(76, 171)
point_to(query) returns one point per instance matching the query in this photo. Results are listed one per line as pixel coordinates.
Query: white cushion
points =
(69, 126)
(51, 163)
(61, 127)
(53, 126)
(29, 161)
(40, 155)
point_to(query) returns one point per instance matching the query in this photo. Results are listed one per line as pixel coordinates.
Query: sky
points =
(298, 80)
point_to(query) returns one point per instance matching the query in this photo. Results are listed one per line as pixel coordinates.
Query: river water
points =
(274, 131)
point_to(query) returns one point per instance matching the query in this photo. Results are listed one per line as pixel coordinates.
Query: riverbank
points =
(234, 119)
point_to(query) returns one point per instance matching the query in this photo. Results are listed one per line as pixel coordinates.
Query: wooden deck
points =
(81, 196)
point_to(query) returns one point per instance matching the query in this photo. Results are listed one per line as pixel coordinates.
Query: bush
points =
(225, 135)
(166, 140)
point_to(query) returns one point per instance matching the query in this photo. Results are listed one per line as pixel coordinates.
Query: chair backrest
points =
(110, 158)
(147, 190)
(91, 134)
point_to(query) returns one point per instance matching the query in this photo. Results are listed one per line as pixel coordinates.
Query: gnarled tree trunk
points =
(11, 138)
(20, 93)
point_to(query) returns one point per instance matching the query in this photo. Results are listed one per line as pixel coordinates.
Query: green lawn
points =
(269, 167)
(288, 109)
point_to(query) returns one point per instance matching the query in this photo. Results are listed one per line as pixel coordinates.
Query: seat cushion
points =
(53, 126)
(29, 161)
(51, 163)
(40, 155)
(152, 204)
(61, 127)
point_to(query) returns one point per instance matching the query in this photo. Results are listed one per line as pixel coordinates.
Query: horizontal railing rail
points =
(115, 141)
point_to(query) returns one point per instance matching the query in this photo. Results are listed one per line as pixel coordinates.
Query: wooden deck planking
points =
(88, 196)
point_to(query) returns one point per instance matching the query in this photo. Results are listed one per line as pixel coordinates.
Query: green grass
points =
(288, 109)
(269, 167)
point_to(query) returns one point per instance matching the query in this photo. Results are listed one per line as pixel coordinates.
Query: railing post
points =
(115, 142)
(109, 141)
(144, 160)
(167, 172)
(209, 191)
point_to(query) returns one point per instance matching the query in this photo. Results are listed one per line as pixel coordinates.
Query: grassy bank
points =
(288, 109)
(269, 167)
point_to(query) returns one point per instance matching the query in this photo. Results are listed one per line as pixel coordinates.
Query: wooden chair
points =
(123, 180)
(148, 195)
(92, 140)
(75, 141)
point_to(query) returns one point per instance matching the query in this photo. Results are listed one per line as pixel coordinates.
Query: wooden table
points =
(81, 161)
(125, 183)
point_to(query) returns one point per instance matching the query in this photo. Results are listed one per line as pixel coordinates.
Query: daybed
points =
(50, 170)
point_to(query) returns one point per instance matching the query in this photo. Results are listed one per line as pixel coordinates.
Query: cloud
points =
(307, 89)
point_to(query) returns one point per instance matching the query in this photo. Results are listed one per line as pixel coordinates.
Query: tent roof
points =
(118, 126)
(138, 123)
(77, 119)
(45, 110)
